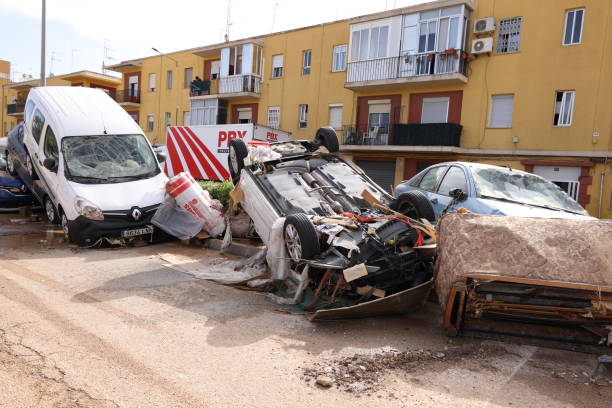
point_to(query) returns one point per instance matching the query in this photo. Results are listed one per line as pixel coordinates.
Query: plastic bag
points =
(176, 221)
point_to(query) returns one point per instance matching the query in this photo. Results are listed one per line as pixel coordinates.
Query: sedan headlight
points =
(88, 209)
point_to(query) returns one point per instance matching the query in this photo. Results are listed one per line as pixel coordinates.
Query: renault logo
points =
(136, 214)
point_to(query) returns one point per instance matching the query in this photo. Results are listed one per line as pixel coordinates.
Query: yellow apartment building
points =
(14, 94)
(519, 83)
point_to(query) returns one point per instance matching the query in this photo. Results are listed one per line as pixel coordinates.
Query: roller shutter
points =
(382, 172)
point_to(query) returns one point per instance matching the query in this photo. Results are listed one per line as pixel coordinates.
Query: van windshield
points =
(108, 158)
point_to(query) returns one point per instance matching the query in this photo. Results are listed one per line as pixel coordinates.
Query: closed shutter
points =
(335, 117)
(435, 110)
(501, 111)
(381, 172)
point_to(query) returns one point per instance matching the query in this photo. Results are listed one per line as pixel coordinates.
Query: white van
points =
(100, 174)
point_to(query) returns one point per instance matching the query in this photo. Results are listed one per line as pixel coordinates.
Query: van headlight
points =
(88, 209)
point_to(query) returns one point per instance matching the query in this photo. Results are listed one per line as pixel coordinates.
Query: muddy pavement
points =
(123, 328)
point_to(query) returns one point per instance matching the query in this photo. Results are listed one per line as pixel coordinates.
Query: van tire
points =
(238, 151)
(65, 227)
(300, 236)
(414, 204)
(326, 136)
(50, 211)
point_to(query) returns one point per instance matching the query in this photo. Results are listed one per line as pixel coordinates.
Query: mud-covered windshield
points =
(108, 158)
(506, 184)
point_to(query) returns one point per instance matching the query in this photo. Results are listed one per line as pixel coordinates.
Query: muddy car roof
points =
(78, 111)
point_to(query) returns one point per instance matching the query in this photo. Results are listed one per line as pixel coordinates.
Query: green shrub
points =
(218, 190)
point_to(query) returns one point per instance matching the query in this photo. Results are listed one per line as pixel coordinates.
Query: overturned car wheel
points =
(300, 237)
(414, 204)
(326, 136)
(237, 153)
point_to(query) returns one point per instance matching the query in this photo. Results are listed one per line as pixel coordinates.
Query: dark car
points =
(13, 193)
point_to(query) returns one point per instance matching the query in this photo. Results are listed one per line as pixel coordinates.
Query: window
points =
(168, 119)
(306, 60)
(235, 60)
(169, 79)
(150, 122)
(335, 116)
(186, 118)
(435, 110)
(51, 149)
(509, 35)
(274, 117)
(215, 69)
(134, 115)
(454, 178)
(369, 43)
(431, 178)
(152, 82)
(572, 31)
(188, 77)
(500, 115)
(28, 110)
(37, 125)
(564, 107)
(303, 116)
(277, 66)
(339, 58)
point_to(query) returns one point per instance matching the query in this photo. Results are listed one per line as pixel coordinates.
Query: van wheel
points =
(51, 211)
(238, 151)
(30, 167)
(10, 164)
(414, 204)
(326, 136)
(300, 237)
(66, 228)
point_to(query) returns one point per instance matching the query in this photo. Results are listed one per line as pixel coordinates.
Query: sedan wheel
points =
(293, 243)
(301, 239)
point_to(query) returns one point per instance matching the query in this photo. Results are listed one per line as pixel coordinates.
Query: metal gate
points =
(382, 172)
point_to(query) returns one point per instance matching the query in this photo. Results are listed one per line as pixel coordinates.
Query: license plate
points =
(135, 232)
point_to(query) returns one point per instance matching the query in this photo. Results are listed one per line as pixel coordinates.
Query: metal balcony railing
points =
(374, 135)
(228, 85)
(408, 66)
(15, 108)
(126, 96)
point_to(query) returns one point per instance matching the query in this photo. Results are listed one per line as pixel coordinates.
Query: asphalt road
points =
(122, 328)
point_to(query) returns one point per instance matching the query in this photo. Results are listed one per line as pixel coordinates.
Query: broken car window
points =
(430, 179)
(506, 184)
(110, 158)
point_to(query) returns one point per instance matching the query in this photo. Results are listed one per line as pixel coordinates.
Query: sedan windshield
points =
(506, 184)
(108, 158)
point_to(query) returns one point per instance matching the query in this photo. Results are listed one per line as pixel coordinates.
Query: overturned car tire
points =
(414, 204)
(238, 151)
(300, 236)
(326, 136)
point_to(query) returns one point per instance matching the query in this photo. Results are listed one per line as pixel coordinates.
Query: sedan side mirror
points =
(161, 157)
(50, 164)
(457, 194)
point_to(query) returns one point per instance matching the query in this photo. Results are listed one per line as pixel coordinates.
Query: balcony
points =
(15, 109)
(419, 134)
(127, 97)
(447, 67)
(231, 87)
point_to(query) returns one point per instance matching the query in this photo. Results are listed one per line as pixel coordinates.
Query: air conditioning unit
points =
(482, 45)
(484, 25)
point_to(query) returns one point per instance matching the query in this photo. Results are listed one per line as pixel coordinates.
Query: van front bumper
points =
(85, 232)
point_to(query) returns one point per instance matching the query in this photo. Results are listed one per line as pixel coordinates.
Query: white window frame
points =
(306, 62)
(567, 12)
(186, 118)
(375, 46)
(188, 78)
(562, 108)
(492, 125)
(277, 70)
(303, 116)
(274, 117)
(150, 122)
(152, 80)
(337, 58)
(500, 32)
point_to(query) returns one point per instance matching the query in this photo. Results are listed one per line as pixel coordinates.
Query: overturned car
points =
(335, 223)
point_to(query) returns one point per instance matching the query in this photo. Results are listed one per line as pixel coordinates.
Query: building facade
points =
(14, 94)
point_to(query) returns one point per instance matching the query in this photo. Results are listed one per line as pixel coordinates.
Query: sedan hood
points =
(524, 210)
(123, 196)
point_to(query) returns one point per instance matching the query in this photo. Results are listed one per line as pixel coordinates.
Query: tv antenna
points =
(274, 17)
(106, 56)
(228, 20)
(53, 59)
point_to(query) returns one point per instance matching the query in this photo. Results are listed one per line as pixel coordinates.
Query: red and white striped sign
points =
(202, 150)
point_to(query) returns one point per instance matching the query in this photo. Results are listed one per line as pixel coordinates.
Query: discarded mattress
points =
(528, 277)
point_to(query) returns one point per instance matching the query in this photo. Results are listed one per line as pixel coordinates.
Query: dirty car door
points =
(455, 178)
(49, 150)
(428, 185)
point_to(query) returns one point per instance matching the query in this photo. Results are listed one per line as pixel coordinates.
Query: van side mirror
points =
(161, 156)
(50, 164)
(457, 194)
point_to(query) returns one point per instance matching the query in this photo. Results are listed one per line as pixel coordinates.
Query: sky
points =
(79, 31)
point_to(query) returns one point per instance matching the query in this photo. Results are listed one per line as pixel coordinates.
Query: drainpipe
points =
(601, 187)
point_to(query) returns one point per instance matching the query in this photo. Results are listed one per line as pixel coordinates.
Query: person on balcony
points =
(200, 87)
